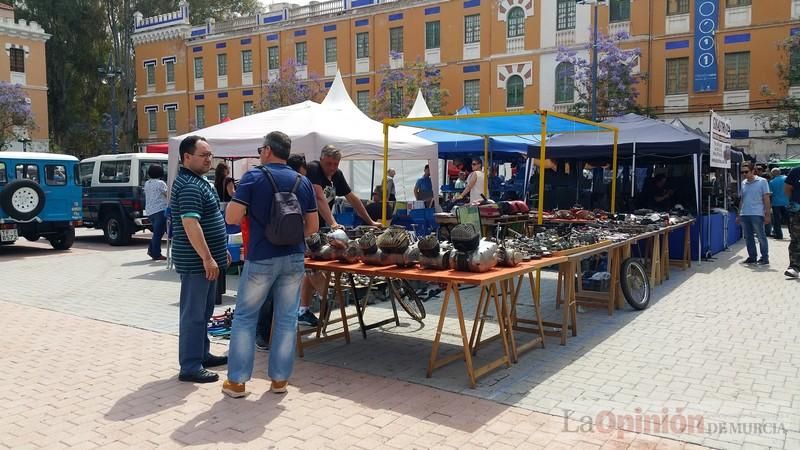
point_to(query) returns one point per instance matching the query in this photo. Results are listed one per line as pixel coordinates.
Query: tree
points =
(616, 81)
(16, 118)
(398, 90)
(785, 117)
(287, 89)
(75, 104)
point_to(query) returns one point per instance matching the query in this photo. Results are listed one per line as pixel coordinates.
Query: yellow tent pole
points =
(385, 172)
(542, 152)
(485, 167)
(614, 174)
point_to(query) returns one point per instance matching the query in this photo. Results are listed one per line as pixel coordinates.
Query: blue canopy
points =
(506, 148)
(522, 124)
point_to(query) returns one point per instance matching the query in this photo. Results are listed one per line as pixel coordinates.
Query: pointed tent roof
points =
(420, 108)
(339, 99)
(465, 110)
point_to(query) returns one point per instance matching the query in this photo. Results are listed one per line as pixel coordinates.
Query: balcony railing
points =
(238, 23)
(515, 44)
(318, 9)
(565, 37)
(615, 28)
(562, 107)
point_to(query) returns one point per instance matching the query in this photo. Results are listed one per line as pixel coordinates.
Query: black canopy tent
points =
(642, 138)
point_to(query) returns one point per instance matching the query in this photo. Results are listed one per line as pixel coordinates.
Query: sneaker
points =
(749, 261)
(215, 361)
(308, 319)
(278, 387)
(201, 376)
(234, 390)
(762, 262)
(261, 344)
(791, 272)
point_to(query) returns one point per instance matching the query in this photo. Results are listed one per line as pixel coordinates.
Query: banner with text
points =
(720, 151)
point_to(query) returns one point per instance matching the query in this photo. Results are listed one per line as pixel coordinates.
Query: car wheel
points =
(22, 199)
(116, 230)
(63, 240)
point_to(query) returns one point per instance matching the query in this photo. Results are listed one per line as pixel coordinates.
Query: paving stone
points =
(725, 357)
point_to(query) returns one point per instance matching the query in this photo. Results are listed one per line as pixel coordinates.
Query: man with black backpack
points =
(281, 208)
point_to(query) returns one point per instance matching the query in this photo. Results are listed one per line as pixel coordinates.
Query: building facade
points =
(494, 55)
(25, 64)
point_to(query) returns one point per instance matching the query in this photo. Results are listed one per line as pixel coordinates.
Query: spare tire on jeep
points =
(22, 199)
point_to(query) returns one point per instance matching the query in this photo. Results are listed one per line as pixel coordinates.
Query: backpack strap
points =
(270, 178)
(297, 183)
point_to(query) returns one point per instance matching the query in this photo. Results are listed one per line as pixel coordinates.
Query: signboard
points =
(706, 21)
(720, 151)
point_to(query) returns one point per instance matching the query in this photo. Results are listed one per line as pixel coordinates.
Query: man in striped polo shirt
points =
(199, 251)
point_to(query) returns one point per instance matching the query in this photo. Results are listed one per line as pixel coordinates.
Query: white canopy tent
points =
(311, 126)
(366, 174)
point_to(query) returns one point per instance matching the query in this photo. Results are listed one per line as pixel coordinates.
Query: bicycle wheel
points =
(408, 298)
(635, 284)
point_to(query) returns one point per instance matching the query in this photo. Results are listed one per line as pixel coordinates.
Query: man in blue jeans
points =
(779, 202)
(199, 251)
(754, 213)
(269, 269)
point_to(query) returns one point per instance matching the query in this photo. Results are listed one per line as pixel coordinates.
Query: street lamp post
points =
(109, 75)
(24, 141)
(595, 26)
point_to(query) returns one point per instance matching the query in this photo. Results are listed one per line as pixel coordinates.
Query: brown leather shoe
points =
(278, 387)
(235, 390)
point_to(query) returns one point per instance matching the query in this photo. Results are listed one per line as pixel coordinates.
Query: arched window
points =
(516, 22)
(515, 92)
(565, 83)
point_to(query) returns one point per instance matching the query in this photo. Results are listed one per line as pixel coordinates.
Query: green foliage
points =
(76, 48)
(398, 90)
(200, 10)
(84, 33)
(786, 113)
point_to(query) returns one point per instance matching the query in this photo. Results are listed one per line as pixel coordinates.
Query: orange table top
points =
(434, 276)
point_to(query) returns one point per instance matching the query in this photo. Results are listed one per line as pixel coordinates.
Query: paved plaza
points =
(90, 355)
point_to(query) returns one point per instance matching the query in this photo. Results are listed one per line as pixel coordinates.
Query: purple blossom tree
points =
(785, 112)
(616, 81)
(288, 89)
(16, 118)
(398, 90)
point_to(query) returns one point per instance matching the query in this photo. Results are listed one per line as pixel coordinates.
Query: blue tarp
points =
(453, 145)
(522, 124)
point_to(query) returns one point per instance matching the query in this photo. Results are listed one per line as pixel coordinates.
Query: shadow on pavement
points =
(151, 398)
(231, 420)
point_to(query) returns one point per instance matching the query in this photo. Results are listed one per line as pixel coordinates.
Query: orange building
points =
(494, 55)
(25, 64)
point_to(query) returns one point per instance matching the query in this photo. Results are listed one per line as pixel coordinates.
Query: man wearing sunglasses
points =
(754, 213)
